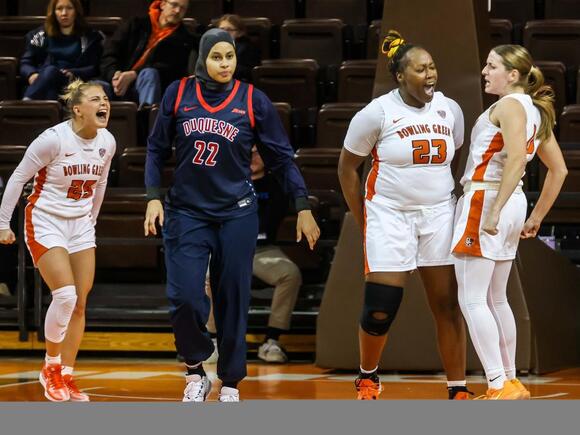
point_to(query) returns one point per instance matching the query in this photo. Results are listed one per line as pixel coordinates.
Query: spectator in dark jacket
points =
(247, 53)
(60, 51)
(147, 53)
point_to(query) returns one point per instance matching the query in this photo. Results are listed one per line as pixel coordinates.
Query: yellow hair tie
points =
(393, 46)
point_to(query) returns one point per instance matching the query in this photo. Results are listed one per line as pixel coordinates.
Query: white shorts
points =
(401, 240)
(45, 231)
(470, 239)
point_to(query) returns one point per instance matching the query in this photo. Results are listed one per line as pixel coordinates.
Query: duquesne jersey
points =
(486, 154)
(213, 134)
(412, 149)
(70, 173)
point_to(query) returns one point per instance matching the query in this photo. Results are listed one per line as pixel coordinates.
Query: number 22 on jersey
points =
(422, 151)
(201, 146)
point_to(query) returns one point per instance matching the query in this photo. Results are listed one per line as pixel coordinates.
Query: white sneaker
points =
(272, 352)
(197, 388)
(214, 356)
(228, 394)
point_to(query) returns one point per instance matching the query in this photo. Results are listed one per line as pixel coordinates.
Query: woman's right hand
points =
(32, 78)
(154, 212)
(7, 237)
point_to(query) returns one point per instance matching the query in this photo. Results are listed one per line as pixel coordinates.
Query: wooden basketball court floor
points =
(161, 379)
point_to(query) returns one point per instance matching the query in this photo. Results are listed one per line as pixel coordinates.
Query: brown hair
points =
(516, 57)
(235, 20)
(51, 25)
(74, 92)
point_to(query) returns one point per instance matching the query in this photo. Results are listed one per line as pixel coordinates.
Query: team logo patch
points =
(442, 113)
(469, 241)
(102, 152)
(240, 111)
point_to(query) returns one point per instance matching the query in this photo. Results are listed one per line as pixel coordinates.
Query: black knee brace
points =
(380, 307)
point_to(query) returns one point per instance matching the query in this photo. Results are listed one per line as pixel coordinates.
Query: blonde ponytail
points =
(543, 98)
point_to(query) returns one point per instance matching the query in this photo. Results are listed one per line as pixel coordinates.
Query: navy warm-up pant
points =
(189, 245)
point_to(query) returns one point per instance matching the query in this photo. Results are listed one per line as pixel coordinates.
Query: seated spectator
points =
(62, 50)
(147, 53)
(247, 53)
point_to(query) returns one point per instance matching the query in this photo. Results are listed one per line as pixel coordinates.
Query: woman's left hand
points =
(531, 228)
(307, 225)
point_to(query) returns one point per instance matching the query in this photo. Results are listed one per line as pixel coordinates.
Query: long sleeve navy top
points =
(213, 134)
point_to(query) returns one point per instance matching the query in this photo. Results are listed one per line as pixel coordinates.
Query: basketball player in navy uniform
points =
(210, 214)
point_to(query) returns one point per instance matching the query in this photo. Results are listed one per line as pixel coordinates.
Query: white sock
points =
(451, 384)
(67, 370)
(229, 391)
(366, 372)
(50, 360)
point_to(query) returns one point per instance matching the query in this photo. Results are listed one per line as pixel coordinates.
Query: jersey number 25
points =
(81, 189)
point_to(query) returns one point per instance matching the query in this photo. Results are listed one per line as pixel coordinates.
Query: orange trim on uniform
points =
(36, 249)
(469, 242)
(182, 84)
(223, 104)
(367, 268)
(496, 145)
(372, 178)
(251, 106)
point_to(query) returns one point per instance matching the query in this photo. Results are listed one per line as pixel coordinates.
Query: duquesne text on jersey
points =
(422, 129)
(83, 169)
(210, 125)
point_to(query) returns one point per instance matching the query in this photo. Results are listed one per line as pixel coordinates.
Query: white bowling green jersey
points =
(71, 173)
(486, 154)
(412, 149)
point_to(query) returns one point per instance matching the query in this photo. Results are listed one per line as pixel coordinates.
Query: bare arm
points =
(511, 118)
(551, 155)
(350, 183)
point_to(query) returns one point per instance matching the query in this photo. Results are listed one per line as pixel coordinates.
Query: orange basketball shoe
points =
(51, 379)
(524, 393)
(368, 389)
(508, 392)
(459, 393)
(76, 395)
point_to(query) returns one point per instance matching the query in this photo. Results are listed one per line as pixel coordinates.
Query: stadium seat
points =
(10, 156)
(501, 31)
(275, 10)
(356, 79)
(349, 11)
(22, 121)
(554, 40)
(117, 8)
(123, 124)
(12, 32)
(333, 122)
(373, 36)
(570, 124)
(132, 168)
(555, 75)
(288, 80)
(8, 72)
(319, 39)
(204, 11)
(562, 9)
